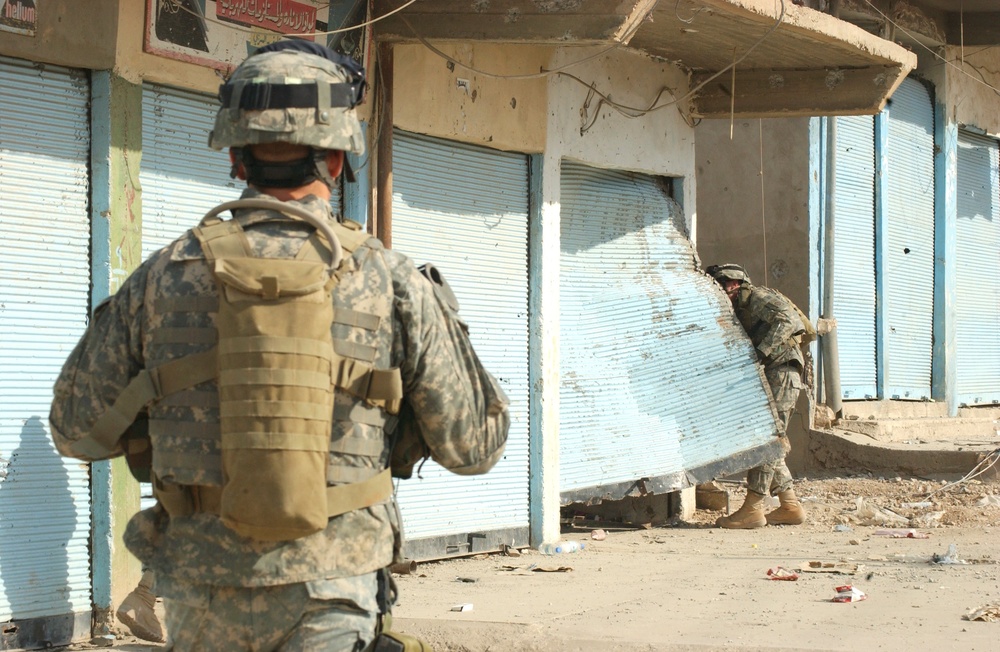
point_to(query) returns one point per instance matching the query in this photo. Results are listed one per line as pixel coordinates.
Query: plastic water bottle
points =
(560, 547)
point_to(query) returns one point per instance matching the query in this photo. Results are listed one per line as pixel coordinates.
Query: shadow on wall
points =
(37, 521)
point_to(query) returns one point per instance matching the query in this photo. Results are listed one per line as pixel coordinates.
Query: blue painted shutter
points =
(465, 209)
(909, 260)
(977, 299)
(44, 307)
(649, 373)
(854, 255)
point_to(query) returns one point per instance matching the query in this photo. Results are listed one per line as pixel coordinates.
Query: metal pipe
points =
(830, 350)
(383, 202)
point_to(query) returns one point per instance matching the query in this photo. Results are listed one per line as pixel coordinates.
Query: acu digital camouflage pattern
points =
(323, 127)
(773, 325)
(331, 615)
(164, 312)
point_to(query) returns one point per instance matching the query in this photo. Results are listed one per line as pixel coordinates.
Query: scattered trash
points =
(782, 573)
(510, 551)
(855, 542)
(902, 534)
(924, 504)
(950, 557)
(561, 547)
(843, 568)
(988, 614)
(988, 500)
(462, 607)
(874, 515)
(552, 569)
(467, 580)
(930, 519)
(405, 567)
(598, 535)
(842, 527)
(849, 593)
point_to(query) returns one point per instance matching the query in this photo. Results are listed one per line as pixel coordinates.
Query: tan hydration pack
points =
(275, 366)
(277, 370)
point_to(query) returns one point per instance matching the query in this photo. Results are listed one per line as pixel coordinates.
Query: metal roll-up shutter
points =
(465, 209)
(182, 177)
(909, 263)
(651, 356)
(977, 297)
(854, 256)
(45, 583)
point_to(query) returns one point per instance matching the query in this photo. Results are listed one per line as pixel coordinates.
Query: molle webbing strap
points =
(148, 386)
(340, 499)
(382, 387)
(223, 240)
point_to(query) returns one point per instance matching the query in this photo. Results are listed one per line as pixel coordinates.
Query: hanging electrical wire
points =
(935, 54)
(982, 467)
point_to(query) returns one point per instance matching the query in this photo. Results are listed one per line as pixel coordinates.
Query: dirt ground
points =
(689, 586)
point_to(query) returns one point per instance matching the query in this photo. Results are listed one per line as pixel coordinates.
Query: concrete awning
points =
(795, 60)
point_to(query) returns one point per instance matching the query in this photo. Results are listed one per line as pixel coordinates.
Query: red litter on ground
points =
(782, 573)
(849, 593)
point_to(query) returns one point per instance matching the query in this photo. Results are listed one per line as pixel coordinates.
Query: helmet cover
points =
(728, 272)
(292, 95)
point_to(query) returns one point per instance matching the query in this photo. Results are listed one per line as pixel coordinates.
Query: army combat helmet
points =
(295, 92)
(728, 272)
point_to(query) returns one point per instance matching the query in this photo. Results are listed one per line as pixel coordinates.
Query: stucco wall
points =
(730, 226)
(972, 102)
(659, 142)
(69, 33)
(436, 97)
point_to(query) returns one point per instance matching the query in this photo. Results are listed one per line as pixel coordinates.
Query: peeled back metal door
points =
(651, 355)
(465, 209)
(908, 271)
(854, 256)
(45, 584)
(977, 297)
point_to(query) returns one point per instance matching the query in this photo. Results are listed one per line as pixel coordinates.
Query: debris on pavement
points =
(989, 500)
(462, 607)
(989, 614)
(843, 568)
(950, 557)
(842, 527)
(902, 534)
(928, 520)
(870, 514)
(782, 573)
(598, 535)
(510, 551)
(552, 569)
(849, 593)
(467, 580)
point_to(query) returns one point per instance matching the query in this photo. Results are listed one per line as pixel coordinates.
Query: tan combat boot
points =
(789, 512)
(138, 611)
(748, 517)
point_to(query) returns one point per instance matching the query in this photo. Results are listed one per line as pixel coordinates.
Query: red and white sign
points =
(18, 16)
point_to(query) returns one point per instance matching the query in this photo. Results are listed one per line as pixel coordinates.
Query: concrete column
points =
(543, 347)
(116, 250)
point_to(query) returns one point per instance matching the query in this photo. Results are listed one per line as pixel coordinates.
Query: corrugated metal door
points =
(909, 262)
(182, 178)
(977, 298)
(854, 255)
(657, 378)
(465, 209)
(44, 307)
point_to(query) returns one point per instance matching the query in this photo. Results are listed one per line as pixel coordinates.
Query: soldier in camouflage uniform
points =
(287, 117)
(774, 327)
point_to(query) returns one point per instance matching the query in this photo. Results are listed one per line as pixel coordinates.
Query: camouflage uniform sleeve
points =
(458, 407)
(103, 362)
(783, 324)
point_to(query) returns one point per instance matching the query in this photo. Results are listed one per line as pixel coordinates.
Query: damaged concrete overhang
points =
(792, 60)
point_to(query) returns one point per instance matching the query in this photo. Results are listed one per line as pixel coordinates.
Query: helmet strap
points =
(284, 174)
